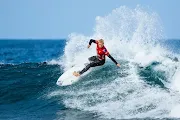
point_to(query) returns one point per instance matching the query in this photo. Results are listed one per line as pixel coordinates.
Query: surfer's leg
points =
(85, 69)
(92, 64)
(93, 61)
(93, 58)
(97, 63)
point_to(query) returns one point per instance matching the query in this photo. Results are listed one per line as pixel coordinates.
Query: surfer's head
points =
(100, 43)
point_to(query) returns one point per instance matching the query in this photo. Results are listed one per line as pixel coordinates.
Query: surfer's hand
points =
(118, 65)
(88, 46)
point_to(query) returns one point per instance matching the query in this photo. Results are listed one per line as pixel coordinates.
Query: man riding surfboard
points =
(99, 59)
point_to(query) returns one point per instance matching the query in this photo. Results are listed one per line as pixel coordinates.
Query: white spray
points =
(131, 35)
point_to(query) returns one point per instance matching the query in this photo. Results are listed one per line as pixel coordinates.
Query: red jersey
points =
(101, 52)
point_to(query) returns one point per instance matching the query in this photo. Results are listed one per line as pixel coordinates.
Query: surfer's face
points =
(100, 44)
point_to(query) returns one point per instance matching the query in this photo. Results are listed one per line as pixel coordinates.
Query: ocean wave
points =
(145, 86)
(143, 89)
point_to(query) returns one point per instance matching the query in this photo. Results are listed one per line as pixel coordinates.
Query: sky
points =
(55, 19)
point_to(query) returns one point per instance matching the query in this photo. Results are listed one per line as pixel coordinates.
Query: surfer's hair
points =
(101, 41)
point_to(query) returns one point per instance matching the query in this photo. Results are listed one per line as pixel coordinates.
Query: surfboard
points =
(67, 78)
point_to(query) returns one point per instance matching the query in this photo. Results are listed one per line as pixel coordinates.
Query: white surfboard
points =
(67, 78)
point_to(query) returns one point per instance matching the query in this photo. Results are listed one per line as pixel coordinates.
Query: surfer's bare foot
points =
(76, 74)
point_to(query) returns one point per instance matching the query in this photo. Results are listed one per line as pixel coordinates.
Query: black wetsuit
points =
(99, 59)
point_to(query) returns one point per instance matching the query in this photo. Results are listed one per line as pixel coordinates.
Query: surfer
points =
(99, 59)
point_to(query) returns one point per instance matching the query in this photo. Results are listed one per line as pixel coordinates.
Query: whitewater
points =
(147, 83)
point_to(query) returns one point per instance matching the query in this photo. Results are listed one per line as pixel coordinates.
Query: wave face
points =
(145, 86)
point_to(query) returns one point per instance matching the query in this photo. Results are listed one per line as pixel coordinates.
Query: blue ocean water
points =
(22, 51)
(28, 87)
(25, 80)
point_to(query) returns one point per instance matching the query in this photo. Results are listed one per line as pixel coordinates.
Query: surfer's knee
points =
(92, 58)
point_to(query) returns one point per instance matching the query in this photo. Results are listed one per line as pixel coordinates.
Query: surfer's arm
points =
(112, 59)
(108, 54)
(92, 41)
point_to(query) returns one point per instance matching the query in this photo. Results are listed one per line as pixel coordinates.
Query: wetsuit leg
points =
(94, 63)
(93, 58)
